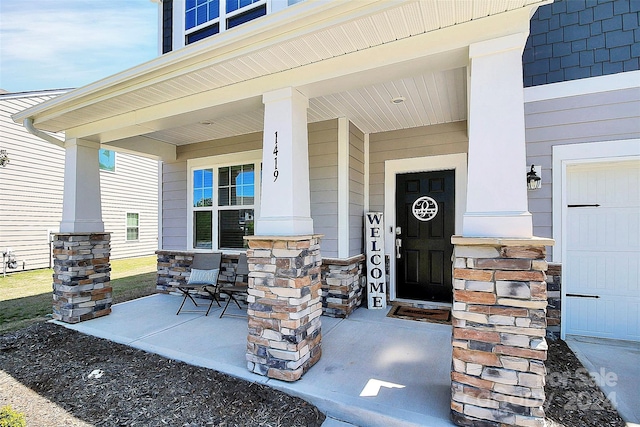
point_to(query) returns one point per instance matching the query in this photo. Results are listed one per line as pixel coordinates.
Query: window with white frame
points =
(133, 226)
(204, 18)
(223, 200)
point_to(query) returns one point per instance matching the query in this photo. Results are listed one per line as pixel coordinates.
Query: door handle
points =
(398, 246)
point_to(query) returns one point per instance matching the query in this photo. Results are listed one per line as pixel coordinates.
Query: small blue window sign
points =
(107, 160)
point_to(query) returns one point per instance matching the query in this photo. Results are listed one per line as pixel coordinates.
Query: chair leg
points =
(186, 295)
(231, 297)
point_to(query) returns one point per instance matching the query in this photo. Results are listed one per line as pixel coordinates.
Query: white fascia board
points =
(626, 80)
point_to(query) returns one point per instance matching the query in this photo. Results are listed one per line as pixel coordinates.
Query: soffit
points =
(432, 97)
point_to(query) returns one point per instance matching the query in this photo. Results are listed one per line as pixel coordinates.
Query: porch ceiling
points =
(350, 58)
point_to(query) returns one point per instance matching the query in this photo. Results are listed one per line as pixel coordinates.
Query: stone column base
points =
(81, 276)
(284, 305)
(342, 286)
(499, 326)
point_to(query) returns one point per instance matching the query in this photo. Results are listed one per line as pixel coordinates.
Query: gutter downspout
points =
(28, 124)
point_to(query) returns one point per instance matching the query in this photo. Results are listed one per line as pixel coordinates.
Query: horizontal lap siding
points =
(323, 181)
(356, 189)
(450, 138)
(31, 191)
(132, 188)
(602, 116)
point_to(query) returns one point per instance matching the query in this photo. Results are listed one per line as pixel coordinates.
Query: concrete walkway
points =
(616, 367)
(374, 370)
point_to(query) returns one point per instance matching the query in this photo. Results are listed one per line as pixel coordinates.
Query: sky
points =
(60, 44)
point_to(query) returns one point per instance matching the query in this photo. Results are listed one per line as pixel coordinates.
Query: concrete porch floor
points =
(374, 370)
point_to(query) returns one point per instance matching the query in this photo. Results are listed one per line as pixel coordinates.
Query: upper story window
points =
(199, 12)
(204, 18)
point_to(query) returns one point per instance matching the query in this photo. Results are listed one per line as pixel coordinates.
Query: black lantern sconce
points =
(533, 178)
(4, 158)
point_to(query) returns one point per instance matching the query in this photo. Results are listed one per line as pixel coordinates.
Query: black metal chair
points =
(238, 288)
(205, 271)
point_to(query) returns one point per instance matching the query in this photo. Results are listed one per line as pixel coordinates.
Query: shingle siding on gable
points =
(575, 39)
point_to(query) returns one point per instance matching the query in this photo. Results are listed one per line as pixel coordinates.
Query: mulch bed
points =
(142, 389)
(138, 388)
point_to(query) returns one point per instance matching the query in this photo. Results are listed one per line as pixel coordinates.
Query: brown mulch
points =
(107, 384)
(572, 398)
(142, 389)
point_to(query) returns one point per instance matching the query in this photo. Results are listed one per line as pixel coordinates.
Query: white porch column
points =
(497, 191)
(81, 205)
(285, 207)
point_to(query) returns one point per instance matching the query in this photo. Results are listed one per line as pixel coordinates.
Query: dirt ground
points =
(57, 376)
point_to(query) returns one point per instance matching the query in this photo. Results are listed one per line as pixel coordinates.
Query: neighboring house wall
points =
(31, 187)
(450, 138)
(578, 39)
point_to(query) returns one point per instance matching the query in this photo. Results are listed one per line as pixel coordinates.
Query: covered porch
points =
(376, 370)
(278, 136)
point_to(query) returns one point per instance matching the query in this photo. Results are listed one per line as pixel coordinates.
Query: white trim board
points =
(457, 162)
(590, 85)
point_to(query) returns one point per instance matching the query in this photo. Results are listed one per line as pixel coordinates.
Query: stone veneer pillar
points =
(81, 276)
(499, 326)
(342, 286)
(284, 305)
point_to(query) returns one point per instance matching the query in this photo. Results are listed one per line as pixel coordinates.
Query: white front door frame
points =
(457, 162)
(572, 154)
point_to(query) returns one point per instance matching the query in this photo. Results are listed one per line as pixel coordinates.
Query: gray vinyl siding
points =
(323, 182)
(175, 182)
(30, 187)
(603, 116)
(449, 138)
(31, 191)
(356, 189)
(132, 188)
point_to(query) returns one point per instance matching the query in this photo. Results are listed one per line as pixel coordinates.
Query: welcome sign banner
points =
(376, 277)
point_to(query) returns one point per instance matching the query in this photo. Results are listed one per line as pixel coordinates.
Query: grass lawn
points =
(25, 297)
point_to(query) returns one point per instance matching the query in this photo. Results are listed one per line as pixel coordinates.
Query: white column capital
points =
(285, 93)
(501, 44)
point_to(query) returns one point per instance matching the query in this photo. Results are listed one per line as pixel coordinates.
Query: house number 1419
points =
(275, 160)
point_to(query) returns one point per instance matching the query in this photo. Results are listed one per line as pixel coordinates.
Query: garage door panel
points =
(603, 250)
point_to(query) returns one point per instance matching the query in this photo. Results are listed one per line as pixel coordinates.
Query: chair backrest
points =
(242, 268)
(207, 261)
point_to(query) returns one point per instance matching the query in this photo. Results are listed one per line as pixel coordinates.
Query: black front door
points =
(425, 222)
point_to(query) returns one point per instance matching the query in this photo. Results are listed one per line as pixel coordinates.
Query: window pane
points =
(132, 220)
(246, 16)
(223, 176)
(202, 230)
(201, 14)
(132, 233)
(233, 225)
(202, 187)
(223, 197)
(107, 160)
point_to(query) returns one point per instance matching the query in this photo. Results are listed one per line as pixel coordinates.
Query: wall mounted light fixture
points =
(4, 158)
(534, 180)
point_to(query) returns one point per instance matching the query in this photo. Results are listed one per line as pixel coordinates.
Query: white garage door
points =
(603, 250)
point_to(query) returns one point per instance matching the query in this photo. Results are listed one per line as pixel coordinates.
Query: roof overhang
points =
(343, 55)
